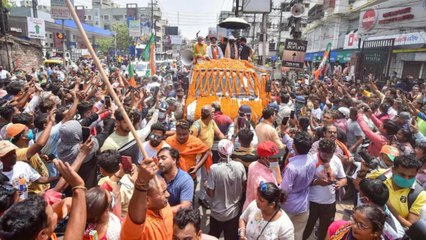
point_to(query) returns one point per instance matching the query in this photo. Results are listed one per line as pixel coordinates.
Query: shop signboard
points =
(59, 9)
(134, 28)
(36, 28)
(386, 18)
(294, 53)
(352, 41)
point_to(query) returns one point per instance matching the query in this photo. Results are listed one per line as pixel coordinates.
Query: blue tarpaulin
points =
(87, 28)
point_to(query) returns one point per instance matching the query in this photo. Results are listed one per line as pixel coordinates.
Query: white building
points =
(347, 24)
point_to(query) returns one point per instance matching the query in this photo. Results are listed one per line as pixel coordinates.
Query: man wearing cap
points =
(214, 51)
(384, 164)
(20, 135)
(403, 119)
(20, 173)
(262, 169)
(225, 184)
(225, 125)
(265, 131)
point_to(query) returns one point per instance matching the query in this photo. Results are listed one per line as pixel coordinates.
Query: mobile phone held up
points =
(108, 101)
(292, 114)
(126, 162)
(81, 87)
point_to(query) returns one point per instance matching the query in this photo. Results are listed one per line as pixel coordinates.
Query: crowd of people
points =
(71, 166)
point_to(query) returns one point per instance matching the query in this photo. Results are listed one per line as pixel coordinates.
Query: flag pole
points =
(106, 81)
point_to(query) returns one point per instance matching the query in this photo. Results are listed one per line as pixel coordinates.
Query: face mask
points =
(402, 182)
(30, 135)
(161, 115)
(273, 165)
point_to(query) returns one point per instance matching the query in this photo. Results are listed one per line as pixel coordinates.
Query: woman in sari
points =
(366, 223)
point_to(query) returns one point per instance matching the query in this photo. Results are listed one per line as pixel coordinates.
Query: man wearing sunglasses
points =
(155, 140)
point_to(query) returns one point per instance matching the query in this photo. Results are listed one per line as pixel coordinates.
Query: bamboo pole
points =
(106, 81)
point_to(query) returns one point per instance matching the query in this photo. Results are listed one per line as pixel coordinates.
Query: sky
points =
(194, 15)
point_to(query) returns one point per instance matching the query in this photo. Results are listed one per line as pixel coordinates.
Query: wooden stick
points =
(105, 80)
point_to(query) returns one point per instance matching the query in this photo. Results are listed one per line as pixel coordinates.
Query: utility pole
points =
(63, 42)
(264, 19)
(4, 33)
(152, 22)
(35, 4)
(280, 27)
(254, 27)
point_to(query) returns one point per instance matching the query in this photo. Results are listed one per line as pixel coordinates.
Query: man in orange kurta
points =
(199, 50)
(189, 148)
(151, 216)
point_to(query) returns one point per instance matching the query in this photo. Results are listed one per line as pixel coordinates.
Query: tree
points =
(103, 45)
(122, 38)
(7, 4)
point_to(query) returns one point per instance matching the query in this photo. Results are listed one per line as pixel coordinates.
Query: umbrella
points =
(234, 23)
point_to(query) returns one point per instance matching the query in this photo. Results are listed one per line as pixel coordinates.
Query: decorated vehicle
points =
(232, 82)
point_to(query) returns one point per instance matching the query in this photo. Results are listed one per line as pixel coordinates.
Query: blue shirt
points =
(181, 188)
(297, 177)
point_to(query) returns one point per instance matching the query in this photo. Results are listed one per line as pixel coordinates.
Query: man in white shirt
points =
(329, 177)
(155, 140)
(4, 74)
(20, 173)
(214, 51)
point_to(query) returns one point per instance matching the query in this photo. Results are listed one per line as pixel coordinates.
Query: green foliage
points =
(7, 4)
(104, 44)
(122, 38)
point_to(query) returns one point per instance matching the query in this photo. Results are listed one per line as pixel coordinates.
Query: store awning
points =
(87, 28)
(342, 56)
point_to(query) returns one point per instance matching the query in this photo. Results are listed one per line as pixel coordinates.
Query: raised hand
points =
(70, 176)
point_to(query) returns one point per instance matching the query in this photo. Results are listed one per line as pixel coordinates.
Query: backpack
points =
(412, 195)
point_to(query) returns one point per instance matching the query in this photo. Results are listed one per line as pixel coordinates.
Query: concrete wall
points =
(22, 54)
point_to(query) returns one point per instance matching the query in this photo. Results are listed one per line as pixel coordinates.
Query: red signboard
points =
(397, 16)
(369, 19)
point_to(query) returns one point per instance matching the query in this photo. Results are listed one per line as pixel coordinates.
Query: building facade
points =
(348, 24)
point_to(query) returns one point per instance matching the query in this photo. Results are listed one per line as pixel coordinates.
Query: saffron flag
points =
(324, 61)
(149, 54)
(132, 81)
(147, 51)
(152, 60)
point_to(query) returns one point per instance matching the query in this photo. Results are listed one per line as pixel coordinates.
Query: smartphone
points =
(85, 133)
(108, 101)
(93, 131)
(285, 120)
(81, 87)
(126, 161)
(292, 114)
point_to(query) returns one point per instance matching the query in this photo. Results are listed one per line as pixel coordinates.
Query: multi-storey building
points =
(347, 24)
